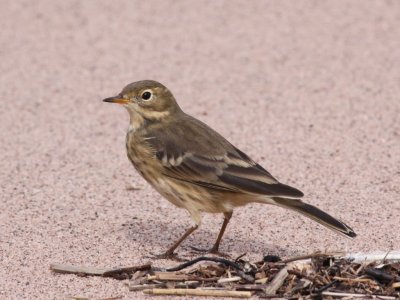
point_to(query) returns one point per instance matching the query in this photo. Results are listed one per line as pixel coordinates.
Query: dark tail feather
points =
(315, 214)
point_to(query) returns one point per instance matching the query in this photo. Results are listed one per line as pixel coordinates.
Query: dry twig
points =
(91, 271)
(277, 282)
(199, 292)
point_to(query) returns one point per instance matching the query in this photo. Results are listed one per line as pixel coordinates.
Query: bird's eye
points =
(146, 95)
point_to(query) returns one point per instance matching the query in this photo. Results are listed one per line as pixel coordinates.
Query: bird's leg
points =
(215, 248)
(170, 252)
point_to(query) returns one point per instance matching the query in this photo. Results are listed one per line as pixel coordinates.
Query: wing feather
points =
(203, 157)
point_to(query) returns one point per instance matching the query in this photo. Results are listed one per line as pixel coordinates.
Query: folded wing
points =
(205, 158)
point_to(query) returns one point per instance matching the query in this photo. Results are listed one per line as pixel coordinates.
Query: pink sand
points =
(308, 89)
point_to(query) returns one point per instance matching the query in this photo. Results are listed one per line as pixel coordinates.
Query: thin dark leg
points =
(227, 217)
(170, 251)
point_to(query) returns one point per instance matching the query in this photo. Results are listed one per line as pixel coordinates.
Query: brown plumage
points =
(196, 168)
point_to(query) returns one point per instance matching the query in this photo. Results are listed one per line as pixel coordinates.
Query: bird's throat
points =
(136, 120)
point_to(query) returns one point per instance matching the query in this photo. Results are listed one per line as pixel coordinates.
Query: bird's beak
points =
(116, 99)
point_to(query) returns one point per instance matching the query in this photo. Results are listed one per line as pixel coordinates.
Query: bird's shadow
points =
(157, 235)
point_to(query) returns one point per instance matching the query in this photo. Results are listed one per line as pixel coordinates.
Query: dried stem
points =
(199, 292)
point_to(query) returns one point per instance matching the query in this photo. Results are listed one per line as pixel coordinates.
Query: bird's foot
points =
(213, 250)
(167, 255)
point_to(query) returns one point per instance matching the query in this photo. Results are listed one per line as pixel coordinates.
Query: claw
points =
(167, 255)
(211, 251)
(198, 249)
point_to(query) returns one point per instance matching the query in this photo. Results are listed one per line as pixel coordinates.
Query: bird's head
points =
(146, 99)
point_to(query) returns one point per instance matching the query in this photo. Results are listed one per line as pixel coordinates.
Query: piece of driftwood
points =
(367, 280)
(79, 270)
(250, 287)
(361, 257)
(277, 282)
(141, 287)
(364, 296)
(229, 279)
(91, 271)
(356, 257)
(168, 276)
(199, 292)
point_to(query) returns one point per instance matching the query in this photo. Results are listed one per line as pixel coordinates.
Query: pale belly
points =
(193, 198)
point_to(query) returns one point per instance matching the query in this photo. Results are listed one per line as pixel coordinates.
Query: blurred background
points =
(309, 89)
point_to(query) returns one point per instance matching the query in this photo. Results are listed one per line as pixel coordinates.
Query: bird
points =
(196, 168)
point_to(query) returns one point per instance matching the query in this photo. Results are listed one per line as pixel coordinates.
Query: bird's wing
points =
(195, 153)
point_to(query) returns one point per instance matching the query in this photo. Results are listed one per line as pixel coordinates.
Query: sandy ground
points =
(308, 89)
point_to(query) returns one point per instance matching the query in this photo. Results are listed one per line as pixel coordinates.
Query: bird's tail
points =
(315, 214)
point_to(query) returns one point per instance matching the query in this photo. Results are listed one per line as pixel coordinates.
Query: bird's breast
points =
(142, 156)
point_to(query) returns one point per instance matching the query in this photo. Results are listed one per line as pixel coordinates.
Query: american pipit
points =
(196, 168)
